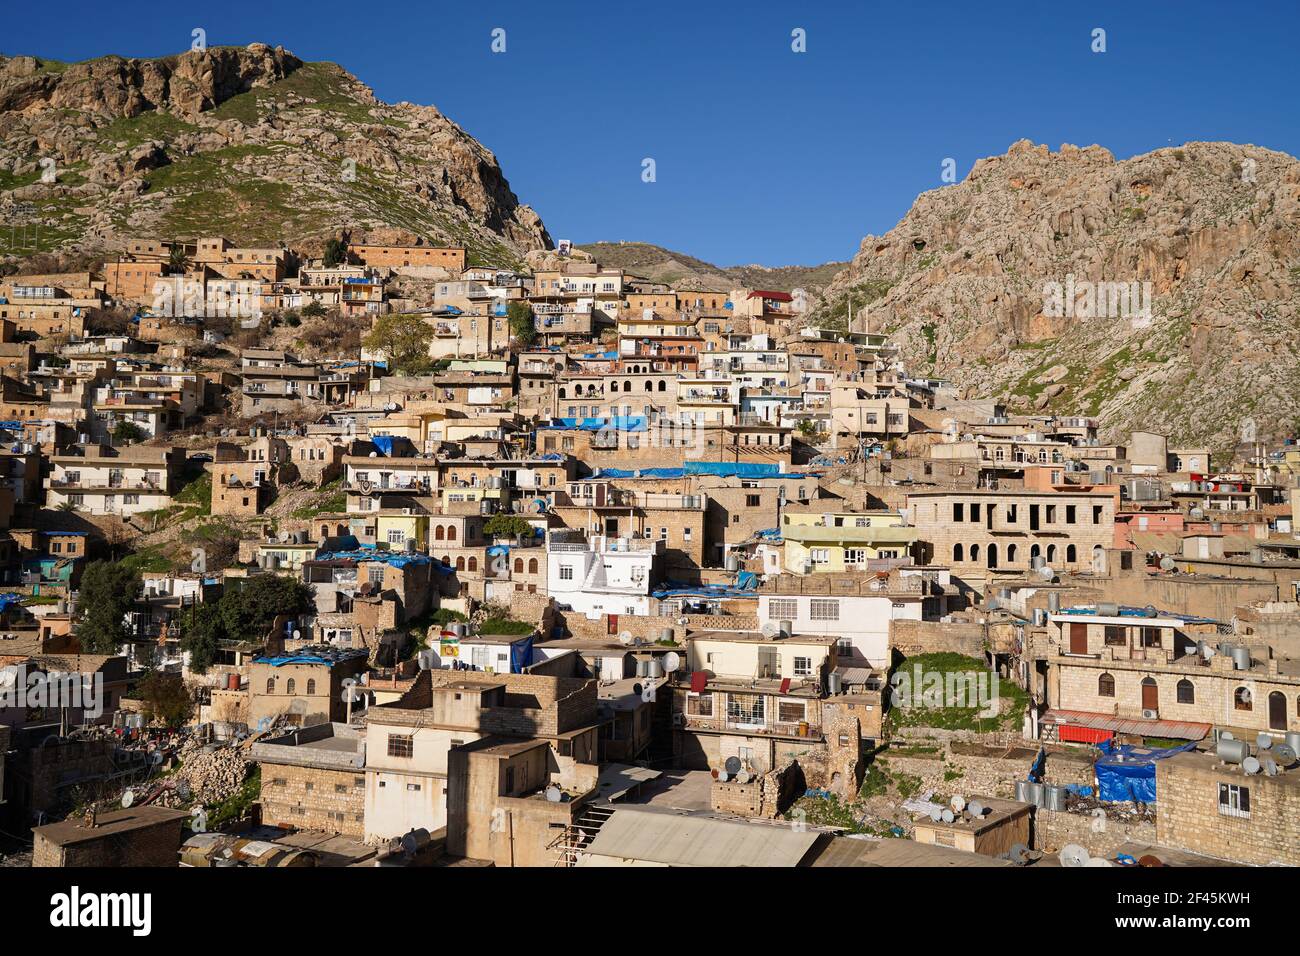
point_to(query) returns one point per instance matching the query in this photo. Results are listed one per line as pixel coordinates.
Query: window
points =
(311, 686)
(746, 708)
(820, 555)
(1151, 637)
(1186, 692)
(957, 553)
(566, 572)
(1234, 800)
(291, 686)
(958, 510)
(783, 609)
(1116, 635)
(751, 501)
(699, 705)
(270, 685)
(1105, 686)
(1241, 699)
(824, 609)
(400, 745)
(802, 666)
(791, 711)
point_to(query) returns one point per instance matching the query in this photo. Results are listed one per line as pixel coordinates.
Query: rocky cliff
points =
(1159, 292)
(251, 143)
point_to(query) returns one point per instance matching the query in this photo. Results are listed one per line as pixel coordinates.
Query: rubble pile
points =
(211, 775)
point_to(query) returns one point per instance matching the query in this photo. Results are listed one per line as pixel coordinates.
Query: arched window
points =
(974, 552)
(270, 685)
(451, 532)
(519, 565)
(439, 533)
(311, 686)
(460, 563)
(561, 393)
(957, 553)
(993, 556)
(473, 563)
(1105, 686)
(662, 386)
(290, 686)
(649, 385)
(1034, 551)
(1186, 692)
(1241, 699)
(1011, 554)
(532, 565)
(1051, 553)
(1071, 553)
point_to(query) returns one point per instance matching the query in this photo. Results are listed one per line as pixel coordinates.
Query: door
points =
(1150, 695)
(1277, 711)
(1078, 638)
(613, 624)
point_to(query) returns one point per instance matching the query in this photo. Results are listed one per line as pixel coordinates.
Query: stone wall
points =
(910, 638)
(311, 798)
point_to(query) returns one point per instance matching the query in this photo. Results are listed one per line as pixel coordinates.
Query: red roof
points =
(777, 296)
(1180, 729)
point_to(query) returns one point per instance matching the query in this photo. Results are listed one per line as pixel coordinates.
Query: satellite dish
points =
(1073, 855)
(742, 777)
(1019, 853)
(636, 689)
(1284, 754)
(948, 816)
(771, 629)
(349, 694)
(671, 662)
(1098, 861)
(733, 765)
(1251, 765)
(977, 809)
(1270, 766)
(128, 799)
(297, 634)
(1263, 741)
(958, 803)
(626, 638)
(936, 815)
(284, 537)
(1167, 563)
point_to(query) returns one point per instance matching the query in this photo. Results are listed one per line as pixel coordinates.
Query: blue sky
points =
(761, 154)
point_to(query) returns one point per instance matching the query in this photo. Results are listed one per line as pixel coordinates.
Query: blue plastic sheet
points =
(521, 655)
(1128, 773)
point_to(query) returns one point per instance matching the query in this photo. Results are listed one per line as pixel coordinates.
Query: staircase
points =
(579, 835)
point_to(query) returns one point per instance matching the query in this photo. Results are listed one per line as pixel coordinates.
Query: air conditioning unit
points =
(1150, 715)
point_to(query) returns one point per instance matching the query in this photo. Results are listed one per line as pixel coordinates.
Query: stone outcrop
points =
(252, 143)
(963, 282)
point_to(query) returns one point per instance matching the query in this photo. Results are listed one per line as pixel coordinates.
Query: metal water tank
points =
(1231, 751)
(1241, 657)
(1054, 798)
(1037, 794)
(1054, 602)
(1022, 791)
(834, 682)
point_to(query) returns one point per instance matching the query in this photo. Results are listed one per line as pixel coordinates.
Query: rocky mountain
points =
(682, 271)
(994, 283)
(251, 143)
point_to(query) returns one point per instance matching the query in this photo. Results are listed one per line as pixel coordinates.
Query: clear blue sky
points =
(762, 155)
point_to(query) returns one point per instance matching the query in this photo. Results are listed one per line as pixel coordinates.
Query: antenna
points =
(1073, 855)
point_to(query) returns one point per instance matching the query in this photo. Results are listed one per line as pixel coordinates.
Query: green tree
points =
(203, 634)
(404, 340)
(336, 252)
(522, 328)
(177, 260)
(507, 526)
(108, 590)
(166, 699)
(125, 431)
(248, 612)
(313, 310)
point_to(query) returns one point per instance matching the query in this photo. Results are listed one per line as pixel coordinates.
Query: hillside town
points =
(381, 554)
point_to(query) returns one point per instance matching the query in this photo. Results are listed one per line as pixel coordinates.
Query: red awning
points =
(1139, 726)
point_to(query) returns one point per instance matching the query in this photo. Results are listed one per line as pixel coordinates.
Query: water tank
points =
(1108, 609)
(1241, 658)
(1054, 602)
(1054, 798)
(1036, 562)
(232, 681)
(834, 683)
(654, 668)
(1293, 740)
(1037, 794)
(787, 628)
(1022, 791)
(666, 635)
(1231, 751)
(642, 668)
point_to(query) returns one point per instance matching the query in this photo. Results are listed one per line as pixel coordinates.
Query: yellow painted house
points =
(394, 527)
(837, 541)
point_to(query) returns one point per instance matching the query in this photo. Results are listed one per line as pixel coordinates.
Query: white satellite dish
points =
(742, 777)
(297, 634)
(948, 816)
(1251, 765)
(958, 803)
(128, 799)
(626, 638)
(671, 662)
(1073, 855)
(771, 629)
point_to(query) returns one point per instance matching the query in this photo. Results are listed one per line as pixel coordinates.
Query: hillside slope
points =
(249, 142)
(683, 272)
(962, 283)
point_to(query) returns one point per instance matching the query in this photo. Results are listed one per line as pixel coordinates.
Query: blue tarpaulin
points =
(521, 655)
(1128, 773)
(398, 559)
(618, 423)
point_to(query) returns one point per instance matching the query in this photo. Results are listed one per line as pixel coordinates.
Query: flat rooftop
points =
(115, 823)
